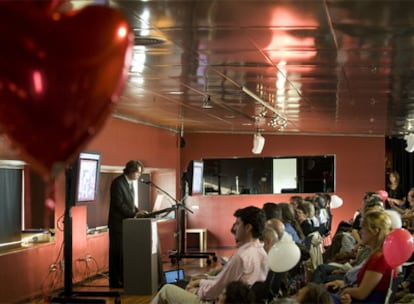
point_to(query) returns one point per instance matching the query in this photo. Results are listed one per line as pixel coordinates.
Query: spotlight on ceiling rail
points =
(277, 120)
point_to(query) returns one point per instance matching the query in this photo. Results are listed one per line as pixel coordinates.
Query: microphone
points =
(141, 180)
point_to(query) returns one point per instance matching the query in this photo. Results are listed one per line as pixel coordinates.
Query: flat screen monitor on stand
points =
(193, 178)
(81, 188)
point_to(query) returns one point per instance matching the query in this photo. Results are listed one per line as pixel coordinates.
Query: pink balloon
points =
(398, 247)
(383, 194)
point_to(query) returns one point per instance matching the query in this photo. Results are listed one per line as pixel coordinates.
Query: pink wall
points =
(121, 141)
(360, 167)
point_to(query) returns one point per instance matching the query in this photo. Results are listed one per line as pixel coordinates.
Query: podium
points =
(140, 247)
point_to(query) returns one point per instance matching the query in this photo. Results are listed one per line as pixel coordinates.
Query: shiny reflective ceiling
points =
(238, 66)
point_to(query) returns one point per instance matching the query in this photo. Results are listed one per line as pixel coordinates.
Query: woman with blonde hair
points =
(374, 276)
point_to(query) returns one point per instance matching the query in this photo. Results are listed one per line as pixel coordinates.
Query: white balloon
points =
(283, 256)
(336, 201)
(396, 221)
(286, 237)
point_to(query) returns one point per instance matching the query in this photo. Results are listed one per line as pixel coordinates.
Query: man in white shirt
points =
(248, 264)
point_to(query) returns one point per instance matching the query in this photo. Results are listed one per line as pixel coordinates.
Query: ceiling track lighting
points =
(277, 120)
(263, 113)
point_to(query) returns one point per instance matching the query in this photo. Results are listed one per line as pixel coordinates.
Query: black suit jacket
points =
(121, 204)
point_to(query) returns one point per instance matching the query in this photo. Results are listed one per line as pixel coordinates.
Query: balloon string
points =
(387, 299)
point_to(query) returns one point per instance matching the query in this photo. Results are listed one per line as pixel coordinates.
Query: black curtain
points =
(10, 205)
(402, 161)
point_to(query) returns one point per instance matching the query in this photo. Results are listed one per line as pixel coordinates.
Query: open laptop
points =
(175, 276)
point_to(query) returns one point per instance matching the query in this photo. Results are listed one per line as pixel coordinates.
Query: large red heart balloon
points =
(60, 75)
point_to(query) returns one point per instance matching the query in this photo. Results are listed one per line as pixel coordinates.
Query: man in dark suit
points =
(121, 207)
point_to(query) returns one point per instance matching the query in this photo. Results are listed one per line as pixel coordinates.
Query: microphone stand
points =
(180, 214)
(177, 203)
(180, 230)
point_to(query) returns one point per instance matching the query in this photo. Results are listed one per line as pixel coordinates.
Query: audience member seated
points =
(272, 210)
(321, 213)
(267, 290)
(305, 214)
(328, 198)
(291, 224)
(248, 264)
(343, 244)
(374, 277)
(296, 276)
(347, 271)
(269, 238)
(345, 264)
(370, 199)
(278, 226)
(396, 195)
(295, 200)
(407, 213)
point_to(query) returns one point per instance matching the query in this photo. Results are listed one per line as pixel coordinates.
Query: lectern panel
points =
(140, 245)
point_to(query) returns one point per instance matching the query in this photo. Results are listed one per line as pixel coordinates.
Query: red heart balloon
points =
(60, 75)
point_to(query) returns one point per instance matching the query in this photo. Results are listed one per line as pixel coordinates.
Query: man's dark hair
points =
(272, 210)
(254, 216)
(133, 166)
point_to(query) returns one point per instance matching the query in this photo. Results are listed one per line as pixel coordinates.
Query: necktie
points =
(131, 189)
